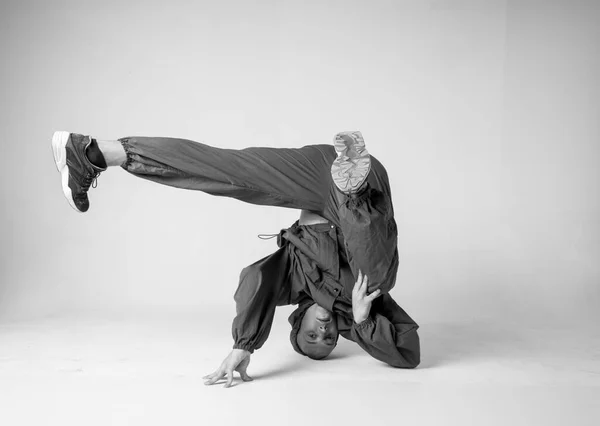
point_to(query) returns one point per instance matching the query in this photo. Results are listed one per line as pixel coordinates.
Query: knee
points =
(384, 276)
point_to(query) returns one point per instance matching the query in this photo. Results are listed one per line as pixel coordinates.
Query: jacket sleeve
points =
(389, 334)
(263, 285)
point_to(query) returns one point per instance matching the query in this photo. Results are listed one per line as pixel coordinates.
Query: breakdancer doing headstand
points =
(338, 262)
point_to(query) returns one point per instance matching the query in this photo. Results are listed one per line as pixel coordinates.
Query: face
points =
(318, 332)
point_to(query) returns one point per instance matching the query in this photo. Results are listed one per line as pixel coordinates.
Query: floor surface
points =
(146, 370)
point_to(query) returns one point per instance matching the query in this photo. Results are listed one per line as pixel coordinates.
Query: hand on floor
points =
(238, 360)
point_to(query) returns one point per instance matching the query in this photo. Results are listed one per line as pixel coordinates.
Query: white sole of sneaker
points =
(342, 148)
(352, 165)
(59, 143)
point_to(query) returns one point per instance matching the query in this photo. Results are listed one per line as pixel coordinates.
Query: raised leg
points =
(371, 237)
(112, 151)
(360, 198)
(284, 177)
(301, 178)
(296, 178)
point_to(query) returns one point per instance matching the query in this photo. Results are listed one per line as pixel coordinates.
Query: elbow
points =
(407, 361)
(409, 354)
(413, 361)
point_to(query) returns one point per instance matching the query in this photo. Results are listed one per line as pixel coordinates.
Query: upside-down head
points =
(314, 330)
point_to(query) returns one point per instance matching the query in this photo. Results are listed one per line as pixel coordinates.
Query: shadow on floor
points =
(280, 370)
(450, 343)
(299, 363)
(442, 344)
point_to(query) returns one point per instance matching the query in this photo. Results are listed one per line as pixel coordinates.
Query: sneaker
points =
(352, 166)
(76, 170)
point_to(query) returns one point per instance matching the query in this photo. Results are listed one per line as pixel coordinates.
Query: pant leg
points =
(284, 177)
(369, 229)
(287, 177)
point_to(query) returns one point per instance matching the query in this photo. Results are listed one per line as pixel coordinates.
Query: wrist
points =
(244, 348)
(364, 322)
(360, 318)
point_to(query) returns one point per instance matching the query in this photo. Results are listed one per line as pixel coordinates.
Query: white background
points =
(485, 114)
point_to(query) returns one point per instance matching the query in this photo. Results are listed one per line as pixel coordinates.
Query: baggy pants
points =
(296, 178)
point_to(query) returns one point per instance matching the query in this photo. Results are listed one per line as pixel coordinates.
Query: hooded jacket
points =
(310, 267)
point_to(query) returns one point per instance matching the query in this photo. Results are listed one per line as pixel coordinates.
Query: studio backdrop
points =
(485, 114)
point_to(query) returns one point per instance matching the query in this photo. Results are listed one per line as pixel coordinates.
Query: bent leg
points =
(284, 177)
(369, 229)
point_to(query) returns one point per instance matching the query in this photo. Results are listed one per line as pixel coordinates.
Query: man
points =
(342, 184)
(329, 304)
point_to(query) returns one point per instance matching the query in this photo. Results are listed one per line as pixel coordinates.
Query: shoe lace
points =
(91, 179)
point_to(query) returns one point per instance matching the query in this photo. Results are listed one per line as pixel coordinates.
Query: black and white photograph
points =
(300, 212)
